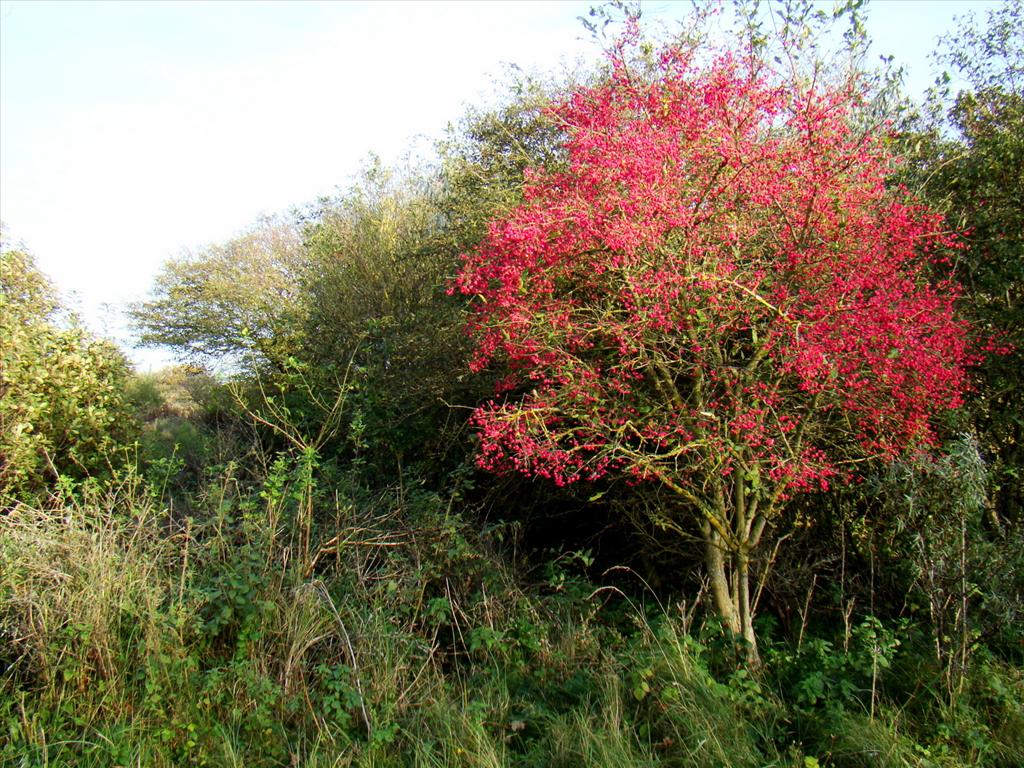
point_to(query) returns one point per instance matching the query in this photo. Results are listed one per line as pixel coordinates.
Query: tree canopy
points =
(719, 296)
(229, 301)
(970, 165)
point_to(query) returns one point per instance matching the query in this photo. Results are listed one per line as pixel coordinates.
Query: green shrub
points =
(62, 406)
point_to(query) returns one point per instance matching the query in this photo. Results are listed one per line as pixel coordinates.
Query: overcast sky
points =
(130, 131)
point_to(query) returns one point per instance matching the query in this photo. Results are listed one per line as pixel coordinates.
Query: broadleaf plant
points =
(719, 298)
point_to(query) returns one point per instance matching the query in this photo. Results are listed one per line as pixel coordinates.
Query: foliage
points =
(718, 297)
(378, 257)
(349, 288)
(62, 404)
(187, 426)
(236, 303)
(484, 158)
(969, 161)
(937, 541)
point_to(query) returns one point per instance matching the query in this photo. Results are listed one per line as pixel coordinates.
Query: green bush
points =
(62, 391)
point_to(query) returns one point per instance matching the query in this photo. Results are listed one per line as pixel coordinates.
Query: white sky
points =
(131, 131)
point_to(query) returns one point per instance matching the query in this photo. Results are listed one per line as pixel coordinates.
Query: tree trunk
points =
(714, 558)
(731, 596)
(746, 612)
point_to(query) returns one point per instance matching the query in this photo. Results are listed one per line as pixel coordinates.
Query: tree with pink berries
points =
(718, 296)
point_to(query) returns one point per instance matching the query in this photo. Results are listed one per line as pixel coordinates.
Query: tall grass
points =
(131, 637)
(85, 588)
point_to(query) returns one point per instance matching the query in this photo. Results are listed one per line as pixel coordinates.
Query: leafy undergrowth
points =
(401, 637)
